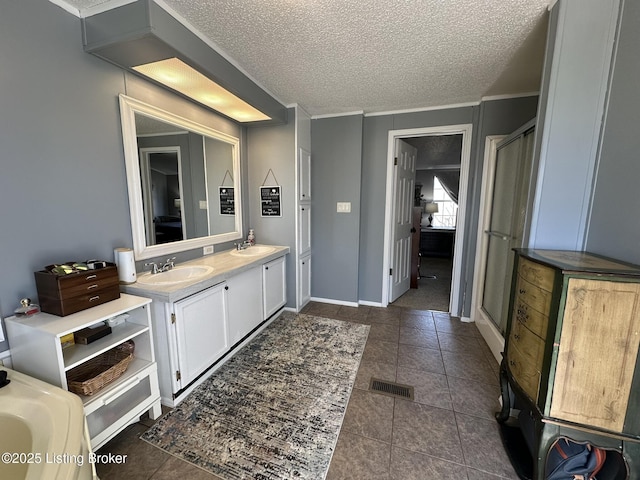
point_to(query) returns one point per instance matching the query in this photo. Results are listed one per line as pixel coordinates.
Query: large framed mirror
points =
(183, 181)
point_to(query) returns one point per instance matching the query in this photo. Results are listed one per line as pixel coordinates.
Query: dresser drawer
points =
(533, 296)
(88, 282)
(530, 346)
(536, 274)
(532, 319)
(66, 294)
(523, 372)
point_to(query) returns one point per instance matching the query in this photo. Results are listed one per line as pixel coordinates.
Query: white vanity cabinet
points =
(197, 327)
(201, 336)
(244, 295)
(274, 281)
(36, 350)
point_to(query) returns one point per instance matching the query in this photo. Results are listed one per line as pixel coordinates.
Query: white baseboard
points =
(491, 335)
(467, 320)
(370, 304)
(335, 302)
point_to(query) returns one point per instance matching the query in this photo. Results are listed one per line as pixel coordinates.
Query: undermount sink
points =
(253, 251)
(176, 275)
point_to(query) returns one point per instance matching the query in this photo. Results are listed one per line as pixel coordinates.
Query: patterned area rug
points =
(275, 409)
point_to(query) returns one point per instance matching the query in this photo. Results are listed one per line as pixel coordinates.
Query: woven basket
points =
(95, 374)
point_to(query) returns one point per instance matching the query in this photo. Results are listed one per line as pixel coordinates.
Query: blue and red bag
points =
(568, 460)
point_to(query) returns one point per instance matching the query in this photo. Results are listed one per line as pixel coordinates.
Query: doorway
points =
(390, 253)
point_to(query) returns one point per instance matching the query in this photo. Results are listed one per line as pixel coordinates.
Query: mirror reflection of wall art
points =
(270, 197)
(227, 201)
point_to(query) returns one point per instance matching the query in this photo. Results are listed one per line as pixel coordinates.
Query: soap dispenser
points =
(251, 238)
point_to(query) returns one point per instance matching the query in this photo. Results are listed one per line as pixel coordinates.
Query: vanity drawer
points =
(65, 294)
(536, 274)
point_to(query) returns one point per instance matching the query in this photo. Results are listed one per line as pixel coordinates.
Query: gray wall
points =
(336, 176)
(574, 105)
(490, 118)
(614, 229)
(273, 148)
(63, 182)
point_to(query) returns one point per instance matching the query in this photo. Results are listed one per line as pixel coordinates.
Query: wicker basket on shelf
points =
(95, 374)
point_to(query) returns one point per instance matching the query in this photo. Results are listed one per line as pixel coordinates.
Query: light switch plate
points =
(203, 204)
(344, 207)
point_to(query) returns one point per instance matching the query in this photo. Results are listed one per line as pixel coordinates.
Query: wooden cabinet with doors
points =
(571, 354)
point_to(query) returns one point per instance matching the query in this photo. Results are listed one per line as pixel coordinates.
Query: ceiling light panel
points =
(179, 76)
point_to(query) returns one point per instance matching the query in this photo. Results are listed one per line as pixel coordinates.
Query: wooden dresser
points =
(571, 352)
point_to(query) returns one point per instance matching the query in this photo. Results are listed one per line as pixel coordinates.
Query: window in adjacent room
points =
(447, 213)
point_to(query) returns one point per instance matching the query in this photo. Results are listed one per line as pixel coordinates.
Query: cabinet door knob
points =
(266, 268)
(226, 287)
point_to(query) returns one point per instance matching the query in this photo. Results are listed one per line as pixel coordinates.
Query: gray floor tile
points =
(460, 343)
(385, 332)
(370, 415)
(479, 437)
(479, 475)
(474, 398)
(390, 315)
(356, 314)
(142, 459)
(367, 370)
(359, 458)
(419, 337)
(454, 325)
(174, 468)
(425, 429)
(420, 358)
(429, 388)
(421, 321)
(379, 351)
(469, 366)
(406, 465)
(321, 309)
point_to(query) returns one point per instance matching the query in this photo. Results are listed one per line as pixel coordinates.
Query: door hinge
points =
(173, 318)
(391, 271)
(395, 161)
(178, 376)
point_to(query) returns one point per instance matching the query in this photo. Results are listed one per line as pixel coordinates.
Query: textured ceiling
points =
(338, 56)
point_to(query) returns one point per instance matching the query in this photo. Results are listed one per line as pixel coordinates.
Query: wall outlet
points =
(208, 250)
(344, 207)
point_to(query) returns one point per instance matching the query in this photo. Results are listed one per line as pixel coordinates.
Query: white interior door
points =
(404, 174)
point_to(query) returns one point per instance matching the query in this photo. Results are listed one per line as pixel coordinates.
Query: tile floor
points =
(446, 432)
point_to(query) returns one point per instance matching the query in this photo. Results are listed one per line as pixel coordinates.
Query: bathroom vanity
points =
(201, 321)
(37, 350)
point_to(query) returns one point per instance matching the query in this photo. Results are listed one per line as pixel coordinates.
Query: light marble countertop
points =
(225, 265)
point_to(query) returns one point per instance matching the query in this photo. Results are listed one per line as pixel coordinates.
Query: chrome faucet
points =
(154, 267)
(166, 266)
(243, 246)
